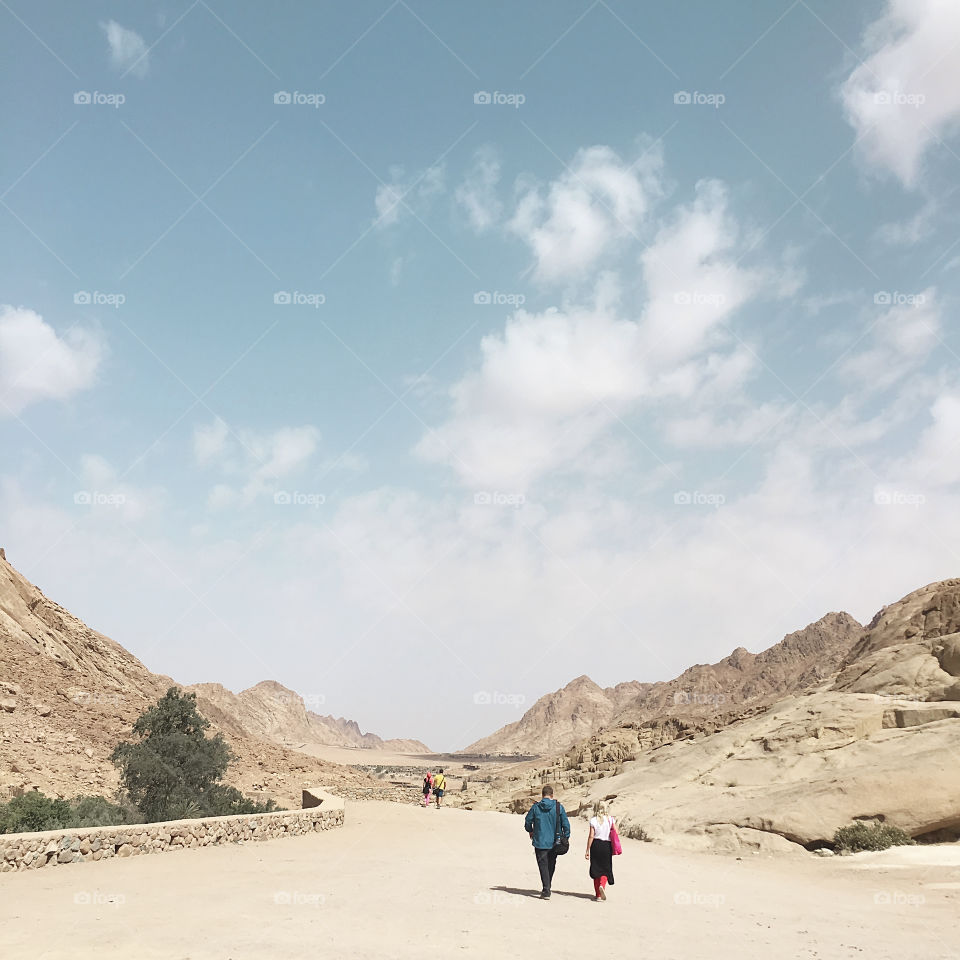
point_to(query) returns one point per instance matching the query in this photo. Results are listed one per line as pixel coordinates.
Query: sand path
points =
(406, 882)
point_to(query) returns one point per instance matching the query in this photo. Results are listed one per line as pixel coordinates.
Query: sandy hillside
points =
(68, 694)
(398, 882)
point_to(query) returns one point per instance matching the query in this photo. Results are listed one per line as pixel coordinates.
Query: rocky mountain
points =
(273, 712)
(737, 683)
(877, 742)
(560, 719)
(68, 694)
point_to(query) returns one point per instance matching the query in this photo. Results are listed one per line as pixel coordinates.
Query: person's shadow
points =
(536, 893)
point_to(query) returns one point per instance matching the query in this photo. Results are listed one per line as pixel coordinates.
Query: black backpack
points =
(561, 844)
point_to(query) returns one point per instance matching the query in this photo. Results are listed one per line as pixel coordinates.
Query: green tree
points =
(173, 765)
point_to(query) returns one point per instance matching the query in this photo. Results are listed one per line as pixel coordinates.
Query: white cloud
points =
(900, 340)
(37, 364)
(906, 92)
(693, 280)
(599, 200)
(397, 198)
(552, 383)
(906, 233)
(256, 462)
(477, 194)
(209, 440)
(105, 494)
(128, 52)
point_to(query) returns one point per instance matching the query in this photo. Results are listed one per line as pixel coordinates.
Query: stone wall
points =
(27, 851)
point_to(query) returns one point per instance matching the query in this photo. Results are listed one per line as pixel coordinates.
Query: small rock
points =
(44, 710)
(8, 704)
(125, 851)
(89, 753)
(824, 852)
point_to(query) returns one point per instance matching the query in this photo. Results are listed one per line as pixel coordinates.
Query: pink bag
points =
(615, 840)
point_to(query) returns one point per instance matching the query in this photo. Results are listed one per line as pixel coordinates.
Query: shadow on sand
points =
(536, 893)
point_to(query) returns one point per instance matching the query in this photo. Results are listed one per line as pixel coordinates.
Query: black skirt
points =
(601, 860)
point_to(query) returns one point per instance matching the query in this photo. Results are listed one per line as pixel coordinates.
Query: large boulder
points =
(910, 648)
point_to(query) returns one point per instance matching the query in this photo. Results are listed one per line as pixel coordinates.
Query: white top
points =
(601, 831)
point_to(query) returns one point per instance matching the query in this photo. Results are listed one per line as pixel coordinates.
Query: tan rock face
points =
(910, 648)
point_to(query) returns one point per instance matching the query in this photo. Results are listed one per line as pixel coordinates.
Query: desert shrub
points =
(101, 812)
(635, 832)
(875, 836)
(173, 767)
(34, 811)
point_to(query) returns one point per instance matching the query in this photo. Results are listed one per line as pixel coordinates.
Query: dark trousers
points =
(547, 862)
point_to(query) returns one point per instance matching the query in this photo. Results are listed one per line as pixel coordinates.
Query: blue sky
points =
(393, 348)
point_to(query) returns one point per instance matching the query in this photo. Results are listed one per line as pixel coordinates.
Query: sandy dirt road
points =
(399, 882)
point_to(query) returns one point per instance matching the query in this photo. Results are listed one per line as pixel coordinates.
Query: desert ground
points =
(398, 881)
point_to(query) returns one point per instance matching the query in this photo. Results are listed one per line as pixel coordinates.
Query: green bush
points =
(875, 836)
(34, 811)
(100, 812)
(172, 771)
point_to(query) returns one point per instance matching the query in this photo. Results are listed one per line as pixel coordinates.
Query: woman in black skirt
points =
(600, 850)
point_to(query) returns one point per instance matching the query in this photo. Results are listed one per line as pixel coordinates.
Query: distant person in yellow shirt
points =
(439, 785)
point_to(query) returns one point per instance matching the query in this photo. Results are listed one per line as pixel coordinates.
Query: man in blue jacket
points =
(541, 824)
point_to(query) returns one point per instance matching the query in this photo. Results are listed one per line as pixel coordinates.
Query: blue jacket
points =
(541, 820)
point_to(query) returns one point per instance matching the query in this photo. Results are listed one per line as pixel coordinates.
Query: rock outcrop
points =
(705, 695)
(559, 719)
